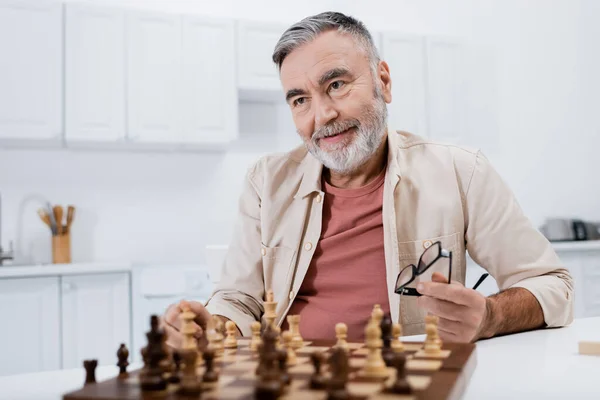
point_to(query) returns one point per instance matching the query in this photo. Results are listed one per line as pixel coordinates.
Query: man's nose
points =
(324, 111)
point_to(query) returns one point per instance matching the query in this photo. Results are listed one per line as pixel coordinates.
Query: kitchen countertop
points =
(23, 271)
(541, 364)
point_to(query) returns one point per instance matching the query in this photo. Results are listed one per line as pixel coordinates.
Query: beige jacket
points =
(432, 192)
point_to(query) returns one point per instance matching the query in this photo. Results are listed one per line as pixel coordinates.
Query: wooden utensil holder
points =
(61, 249)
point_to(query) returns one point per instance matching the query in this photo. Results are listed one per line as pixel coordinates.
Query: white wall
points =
(533, 108)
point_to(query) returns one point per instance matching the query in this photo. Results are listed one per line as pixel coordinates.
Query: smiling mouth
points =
(337, 135)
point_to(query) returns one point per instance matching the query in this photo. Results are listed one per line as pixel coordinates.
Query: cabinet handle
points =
(67, 287)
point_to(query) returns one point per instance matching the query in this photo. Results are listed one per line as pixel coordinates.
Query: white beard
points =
(344, 157)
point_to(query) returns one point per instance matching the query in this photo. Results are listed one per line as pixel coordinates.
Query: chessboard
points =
(283, 365)
(439, 377)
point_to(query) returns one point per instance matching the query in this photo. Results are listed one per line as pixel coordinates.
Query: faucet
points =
(9, 254)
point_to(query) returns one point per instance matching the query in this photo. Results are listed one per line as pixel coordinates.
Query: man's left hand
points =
(462, 312)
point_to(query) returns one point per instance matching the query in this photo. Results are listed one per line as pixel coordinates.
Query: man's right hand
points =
(171, 322)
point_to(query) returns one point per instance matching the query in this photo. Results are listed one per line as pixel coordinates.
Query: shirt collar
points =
(312, 168)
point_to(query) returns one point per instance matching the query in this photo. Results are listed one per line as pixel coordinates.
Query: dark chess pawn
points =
(284, 375)
(210, 374)
(122, 356)
(387, 352)
(340, 368)
(401, 385)
(152, 375)
(90, 371)
(269, 384)
(317, 380)
(175, 375)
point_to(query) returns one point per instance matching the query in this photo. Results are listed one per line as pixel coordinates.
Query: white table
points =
(542, 364)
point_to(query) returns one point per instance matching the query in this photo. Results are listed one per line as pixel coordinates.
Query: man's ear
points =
(384, 80)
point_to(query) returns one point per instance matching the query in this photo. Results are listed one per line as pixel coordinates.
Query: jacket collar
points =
(312, 169)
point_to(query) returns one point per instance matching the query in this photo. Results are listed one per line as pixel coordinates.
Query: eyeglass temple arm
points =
(480, 281)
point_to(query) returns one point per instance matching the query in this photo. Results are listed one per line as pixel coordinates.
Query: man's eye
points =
(337, 85)
(299, 101)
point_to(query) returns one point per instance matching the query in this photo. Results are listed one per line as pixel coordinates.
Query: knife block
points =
(61, 249)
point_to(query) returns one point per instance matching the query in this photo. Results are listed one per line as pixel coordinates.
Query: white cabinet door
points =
(209, 89)
(405, 56)
(95, 73)
(446, 90)
(153, 77)
(31, 69)
(96, 317)
(30, 334)
(255, 43)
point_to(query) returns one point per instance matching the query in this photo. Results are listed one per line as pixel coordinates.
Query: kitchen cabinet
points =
(209, 103)
(406, 57)
(31, 70)
(95, 73)
(446, 92)
(154, 77)
(428, 94)
(96, 317)
(30, 315)
(154, 288)
(255, 44)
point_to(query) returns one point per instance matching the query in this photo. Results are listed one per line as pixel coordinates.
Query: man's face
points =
(337, 104)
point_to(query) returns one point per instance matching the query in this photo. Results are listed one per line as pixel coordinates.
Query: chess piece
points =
(176, 374)
(340, 368)
(187, 328)
(215, 338)
(152, 375)
(317, 379)
(122, 356)
(210, 374)
(256, 339)
(374, 365)
(269, 384)
(283, 368)
(397, 344)
(90, 371)
(377, 314)
(433, 343)
(230, 340)
(270, 306)
(376, 318)
(190, 383)
(341, 333)
(387, 352)
(401, 385)
(287, 345)
(294, 326)
(218, 338)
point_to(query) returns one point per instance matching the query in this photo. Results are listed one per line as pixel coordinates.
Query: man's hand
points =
(463, 313)
(172, 325)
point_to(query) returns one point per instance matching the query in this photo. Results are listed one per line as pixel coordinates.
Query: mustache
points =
(334, 128)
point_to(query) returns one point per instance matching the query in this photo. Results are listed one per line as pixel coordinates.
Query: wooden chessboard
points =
(441, 377)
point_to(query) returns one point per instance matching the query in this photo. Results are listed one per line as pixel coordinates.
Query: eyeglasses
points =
(430, 256)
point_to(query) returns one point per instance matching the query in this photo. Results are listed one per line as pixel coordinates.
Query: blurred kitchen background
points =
(145, 115)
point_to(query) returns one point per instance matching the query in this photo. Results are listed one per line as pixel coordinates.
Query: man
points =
(329, 226)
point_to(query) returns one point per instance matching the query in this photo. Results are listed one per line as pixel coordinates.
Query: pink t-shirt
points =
(347, 274)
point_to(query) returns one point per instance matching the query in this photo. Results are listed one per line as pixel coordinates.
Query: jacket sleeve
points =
(240, 289)
(502, 240)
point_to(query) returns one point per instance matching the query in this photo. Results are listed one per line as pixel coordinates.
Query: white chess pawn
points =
(294, 324)
(256, 339)
(341, 333)
(397, 344)
(433, 343)
(230, 340)
(374, 366)
(287, 344)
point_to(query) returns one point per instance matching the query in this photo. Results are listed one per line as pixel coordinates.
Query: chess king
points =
(361, 214)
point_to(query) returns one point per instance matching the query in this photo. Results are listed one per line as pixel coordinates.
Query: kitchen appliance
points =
(569, 229)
